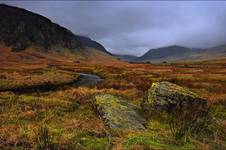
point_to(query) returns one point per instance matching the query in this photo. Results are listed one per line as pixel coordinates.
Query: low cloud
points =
(135, 27)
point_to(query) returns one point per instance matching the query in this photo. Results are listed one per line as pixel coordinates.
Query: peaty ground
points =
(66, 118)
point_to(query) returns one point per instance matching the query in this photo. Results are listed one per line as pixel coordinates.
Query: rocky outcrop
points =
(166, 96)
(118, 113)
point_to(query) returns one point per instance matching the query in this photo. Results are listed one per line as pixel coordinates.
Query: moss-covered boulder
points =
(118, 113)
(168, 97)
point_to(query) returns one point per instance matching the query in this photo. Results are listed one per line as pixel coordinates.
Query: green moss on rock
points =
(166, 96)
(118, 113)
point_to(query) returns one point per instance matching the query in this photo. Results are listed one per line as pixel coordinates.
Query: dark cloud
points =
(132, 27)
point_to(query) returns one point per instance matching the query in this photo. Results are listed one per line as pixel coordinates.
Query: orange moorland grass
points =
(83, 95)
(14, 79)
(66, 118)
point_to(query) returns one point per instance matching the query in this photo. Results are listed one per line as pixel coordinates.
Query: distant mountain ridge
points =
(177, 53)
(20, 29)
(169, 53)
(126, 57)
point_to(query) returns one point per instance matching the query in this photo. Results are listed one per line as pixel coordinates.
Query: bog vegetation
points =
(65, 118)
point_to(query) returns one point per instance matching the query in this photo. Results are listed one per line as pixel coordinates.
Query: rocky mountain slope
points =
(89, 43)
(21, 29)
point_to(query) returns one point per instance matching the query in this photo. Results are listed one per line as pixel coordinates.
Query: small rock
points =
(168, 96)
(118, 113)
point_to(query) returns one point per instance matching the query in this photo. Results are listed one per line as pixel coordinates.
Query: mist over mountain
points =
(22, 29)
(137, 26)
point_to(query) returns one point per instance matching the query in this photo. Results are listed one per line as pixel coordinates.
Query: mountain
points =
(181, 54)
(218, 49)
(89, 43)
(126, 57)
(165, 53)
(20, 29)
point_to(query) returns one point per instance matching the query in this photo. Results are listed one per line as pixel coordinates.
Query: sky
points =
(134, 27)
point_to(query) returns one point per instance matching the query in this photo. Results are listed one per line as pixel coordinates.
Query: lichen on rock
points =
(118, 113)
(168, 96)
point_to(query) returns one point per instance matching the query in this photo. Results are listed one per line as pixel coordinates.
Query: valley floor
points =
(65, 118)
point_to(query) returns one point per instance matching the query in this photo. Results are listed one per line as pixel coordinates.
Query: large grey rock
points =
(118, 113)
(168, 97)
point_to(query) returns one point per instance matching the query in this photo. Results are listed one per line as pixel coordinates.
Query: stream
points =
(84, 80)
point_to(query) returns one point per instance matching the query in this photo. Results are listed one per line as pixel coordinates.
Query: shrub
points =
(44, 139)
(194, 124)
